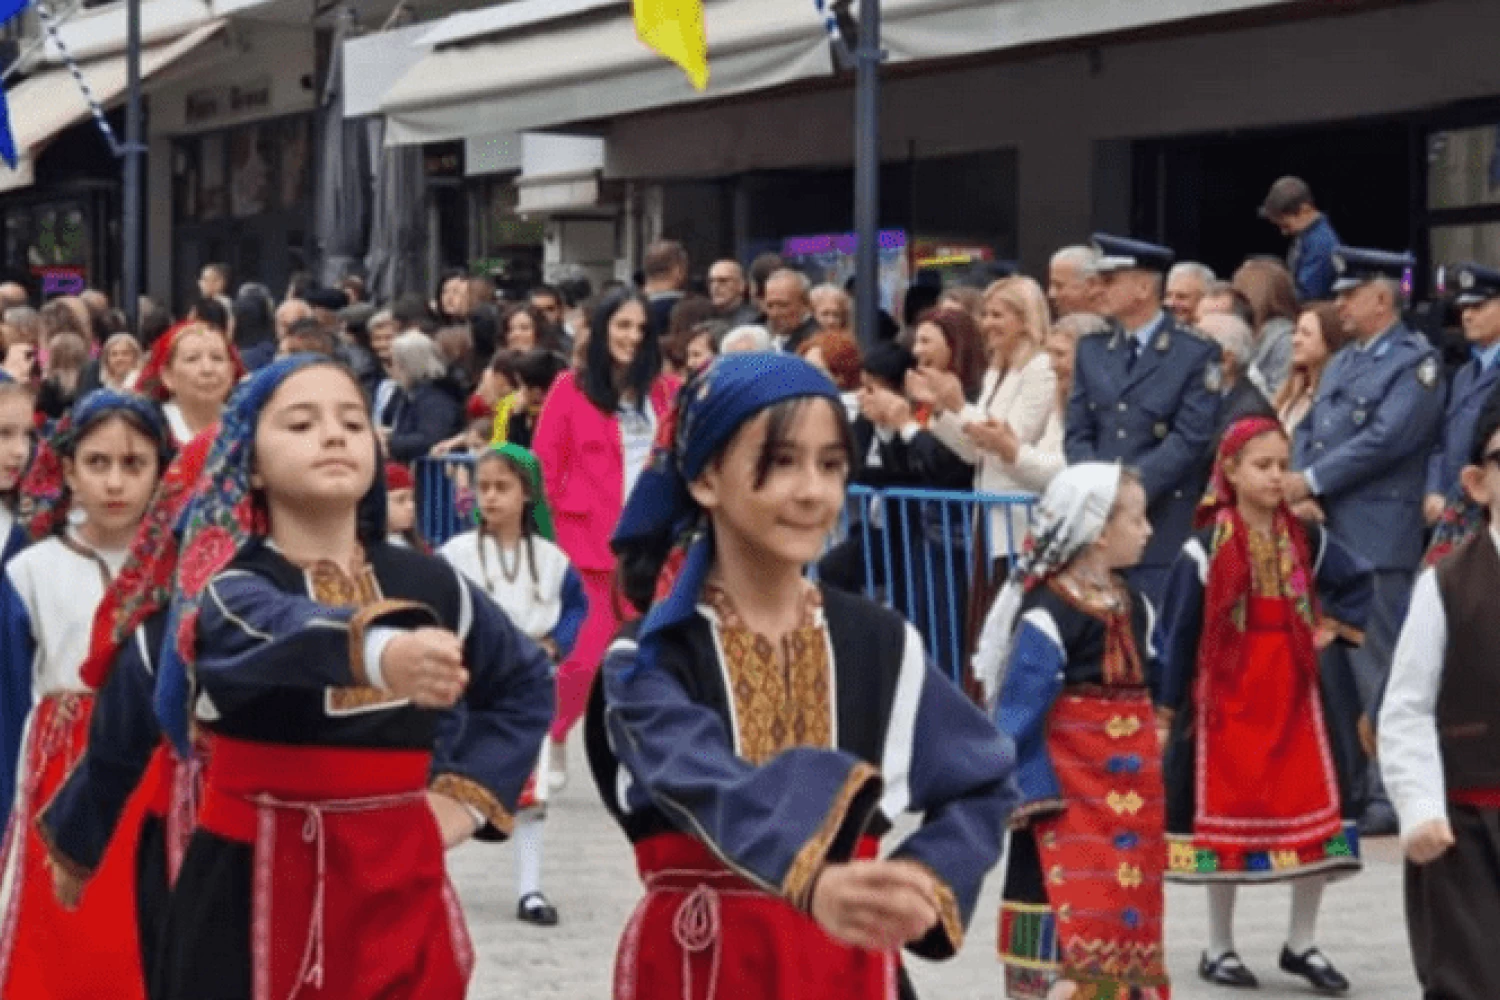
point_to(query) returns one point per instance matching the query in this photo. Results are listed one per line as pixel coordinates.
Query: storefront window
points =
(1478, 243)
(1463, 168)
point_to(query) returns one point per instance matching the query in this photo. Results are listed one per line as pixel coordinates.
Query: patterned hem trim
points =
(360, 623)
(1194, 863)
(472, 793)
(56, 855)
(1023, 815)
(802, 874)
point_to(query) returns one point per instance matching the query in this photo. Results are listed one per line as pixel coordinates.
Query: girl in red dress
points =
(1254, 780)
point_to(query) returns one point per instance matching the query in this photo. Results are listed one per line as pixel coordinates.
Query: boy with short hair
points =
(1440, 748)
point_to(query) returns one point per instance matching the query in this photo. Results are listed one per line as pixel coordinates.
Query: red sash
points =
(350, 894)
(704, 933)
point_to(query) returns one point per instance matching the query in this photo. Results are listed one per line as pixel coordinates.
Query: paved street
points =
(590, 876)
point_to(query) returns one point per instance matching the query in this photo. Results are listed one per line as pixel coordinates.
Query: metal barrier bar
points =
(921, 552)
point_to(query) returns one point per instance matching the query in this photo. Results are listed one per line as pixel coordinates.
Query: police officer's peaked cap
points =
(1116, 253)
(1476, 285)
(1356, 266)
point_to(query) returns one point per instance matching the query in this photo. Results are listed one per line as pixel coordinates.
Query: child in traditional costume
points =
(1256, 792)
(513, 557)
(401, 508)
(17, 425)
(324, 660)
(1082, 911)
(1439, 752)
(125, 745)
(763, 733)
(102, 466)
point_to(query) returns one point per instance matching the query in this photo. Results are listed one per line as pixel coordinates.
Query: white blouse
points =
(60, 588)
(533, 605)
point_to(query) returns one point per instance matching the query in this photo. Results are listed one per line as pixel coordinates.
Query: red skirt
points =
(350, 895)
(1267, 791)
(1104, 854)
(45, 950)
(704, 933)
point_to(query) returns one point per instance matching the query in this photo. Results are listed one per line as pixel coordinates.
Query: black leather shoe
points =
(535, 909)
(1227, 970)
(1313, 966)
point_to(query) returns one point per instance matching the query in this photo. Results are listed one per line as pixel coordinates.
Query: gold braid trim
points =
(797, 886)
(360, 623)
(949, 918)
(472, 793)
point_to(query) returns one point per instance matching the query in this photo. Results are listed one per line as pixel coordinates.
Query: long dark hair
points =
(598, 376)
(640, 562)
(528, 510)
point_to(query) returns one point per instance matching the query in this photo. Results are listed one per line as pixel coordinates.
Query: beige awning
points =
(44, 104)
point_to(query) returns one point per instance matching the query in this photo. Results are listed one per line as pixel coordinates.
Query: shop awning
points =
(546, 76)
(47, 102)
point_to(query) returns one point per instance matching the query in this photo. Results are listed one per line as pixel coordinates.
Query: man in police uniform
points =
(1361, 455)
(1146, 393)
(1479, 299)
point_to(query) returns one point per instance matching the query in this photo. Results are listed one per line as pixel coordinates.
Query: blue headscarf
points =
(217, 524)
(711, 408)
(45, 500)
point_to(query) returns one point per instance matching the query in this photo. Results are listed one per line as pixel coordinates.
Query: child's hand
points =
(1429, 842)
(1164, 717)
(548, 646)
(1323, 637)
(68, 888)
(454, 820)
(425, 666)
(878, 905)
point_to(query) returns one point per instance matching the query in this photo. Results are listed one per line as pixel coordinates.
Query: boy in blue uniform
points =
(1361, 458)
(1146, 394)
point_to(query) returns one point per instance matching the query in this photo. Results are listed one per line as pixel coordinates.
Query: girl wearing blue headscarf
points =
(757, 734)
(82, 501)
(353, 692)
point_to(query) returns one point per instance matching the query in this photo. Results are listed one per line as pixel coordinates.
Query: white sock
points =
(527, 838)
(1307, 897)
(1220, 920)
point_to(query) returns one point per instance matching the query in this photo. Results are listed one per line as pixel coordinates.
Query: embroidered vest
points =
(1468, 705)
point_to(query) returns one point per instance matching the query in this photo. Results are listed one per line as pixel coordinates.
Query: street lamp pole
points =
(130, 285)
(867, 58)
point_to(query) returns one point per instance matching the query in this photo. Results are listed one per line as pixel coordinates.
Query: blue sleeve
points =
(775, 824)
(252, 636)
(1315, 272)
(1434, 481)
(1033, 680)
(1346, 587)
(1080, 431)
(488, 750)
(1168, 465)
(960, 779)
(575, 609)
(1405, 420)
(123, 733)
(1181, 629)
(17, 652)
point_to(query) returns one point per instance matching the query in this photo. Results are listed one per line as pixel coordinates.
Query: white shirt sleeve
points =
(1411, 760)
(375, 642)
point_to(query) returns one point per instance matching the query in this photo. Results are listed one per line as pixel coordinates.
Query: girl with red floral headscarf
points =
(1256, 771)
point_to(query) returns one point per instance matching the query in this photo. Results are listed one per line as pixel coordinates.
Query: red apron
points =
(704, 933)
(45, 950)
(350, 894)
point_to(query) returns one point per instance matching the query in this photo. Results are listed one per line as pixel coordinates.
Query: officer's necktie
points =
(1134, 354)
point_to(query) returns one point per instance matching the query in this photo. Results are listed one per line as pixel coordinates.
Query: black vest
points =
(1468, 705)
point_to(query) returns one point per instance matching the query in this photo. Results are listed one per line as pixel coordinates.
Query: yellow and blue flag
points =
(674, 28)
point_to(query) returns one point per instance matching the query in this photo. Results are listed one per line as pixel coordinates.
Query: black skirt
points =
(205, 954)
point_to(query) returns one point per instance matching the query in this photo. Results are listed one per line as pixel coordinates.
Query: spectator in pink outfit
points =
(593, 438)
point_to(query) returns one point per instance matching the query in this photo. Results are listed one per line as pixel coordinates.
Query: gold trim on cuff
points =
(360, 623)
(472, 793)
(797, 886)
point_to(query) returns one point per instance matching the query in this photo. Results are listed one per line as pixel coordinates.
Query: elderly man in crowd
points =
(789, 310)
(1146, 394)
(1073, 282)
(727, 290)
(1187, 283)
(288, 313)
(1361, 455)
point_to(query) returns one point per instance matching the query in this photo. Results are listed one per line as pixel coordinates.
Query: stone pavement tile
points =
(589, 874)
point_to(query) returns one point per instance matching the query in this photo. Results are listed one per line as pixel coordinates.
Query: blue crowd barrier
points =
(925, 553)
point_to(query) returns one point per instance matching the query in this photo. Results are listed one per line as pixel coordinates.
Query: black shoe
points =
(1227, 970)
(1314, 966)
(1379, 820)
(534, 909)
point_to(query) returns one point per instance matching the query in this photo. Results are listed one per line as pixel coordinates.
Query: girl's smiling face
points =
(778, 488)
